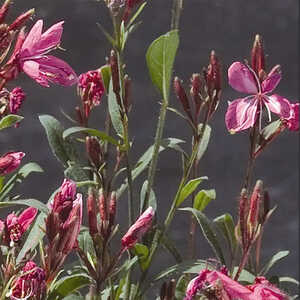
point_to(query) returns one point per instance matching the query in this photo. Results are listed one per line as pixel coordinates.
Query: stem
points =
(176, 12)
(158, 138)
(242, 263)
(258, 249)
(130, 191)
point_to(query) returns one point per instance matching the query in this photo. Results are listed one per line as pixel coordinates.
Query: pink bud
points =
(138, 229)
(10, 161)
(257, 55)
(4, 10)
(68, 189)
(16, 98)
(30, 285)
(21, 20)
(92, 212)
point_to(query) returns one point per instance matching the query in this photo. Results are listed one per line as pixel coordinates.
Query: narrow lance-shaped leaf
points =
(152, 198)
(160, 58)
(203, 198)
(208, 232)
(274, 259)
(204, 141)
(26, 202)
(189, 188)
(105, 75)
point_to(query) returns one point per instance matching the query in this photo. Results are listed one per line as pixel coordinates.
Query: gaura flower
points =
(242, 113)
(33, 58)
(10, 161)
(263, 289)
(292, 122)
(15, 226)
(30, 284)
(217, 285)
(138, 229)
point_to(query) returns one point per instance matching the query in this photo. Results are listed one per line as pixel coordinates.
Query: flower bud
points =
(112, 208)
(254, 206)
(92, 212)
(21, 20)
(257, 56)
(138, 229)
(4, 10)
(196, 87)
(116, 6)
(181, 95)
(102, 205)
(10, 161)
(5, 41)
(16, 98)
(94, 151)
(31, 284)
(115, 72)
(127, 93)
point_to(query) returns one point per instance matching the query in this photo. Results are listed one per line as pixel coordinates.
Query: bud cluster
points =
(205, 92)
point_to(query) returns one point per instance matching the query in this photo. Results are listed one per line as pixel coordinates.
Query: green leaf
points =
(208, 232)
(152, 198)
(160, 58)
(114, 111)
(142, 252)
(181, 286)
(188, 267)
(30, 168)
(68, 285)
(107, 35)
(62, 149)
(288, 280)
(27, 202)
(74, 297)
(275, 258)
(170, 246)
(204, 141)
(269, 130)
(189, 188)
(105, 72)
(34, 236)
(9, 121)
(203, 198)
(245, 276)
(93, 132)
(226, 225)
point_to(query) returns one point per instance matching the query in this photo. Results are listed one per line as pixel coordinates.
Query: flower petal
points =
(278, 105)
(272, 80)
(31, 41)
(32, 69)
(293, 120)
(56, 70)
(27, 217)
(50, 38)
(241, 78)
(241, 114)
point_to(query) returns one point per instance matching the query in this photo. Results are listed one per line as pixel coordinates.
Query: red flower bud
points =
(112, 208)
(115, 72)
(92, 212)
(16, 98)
(93, 150)
(4, 10)
(127, 93)
(138, 229)
(196, 87)
(21, 20)
(255, 203)
(181, 95)
(102, 206)
(257, 56)
(10, 161)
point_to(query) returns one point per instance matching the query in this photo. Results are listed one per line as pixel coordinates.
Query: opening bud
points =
(258, 56)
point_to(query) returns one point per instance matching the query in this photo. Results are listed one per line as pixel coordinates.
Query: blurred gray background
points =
(229, 28)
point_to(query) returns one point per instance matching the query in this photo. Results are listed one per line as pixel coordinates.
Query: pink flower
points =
(91, 82)
(218, 285)
(16, 98)
(292, 122)
(10, 161)
(138, 229)
(33, 58)
(31, 284)
(264, 290)
(242, 113)
(15, 226)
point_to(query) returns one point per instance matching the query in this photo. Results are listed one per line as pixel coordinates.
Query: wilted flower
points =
(242, 113)
(15, 226)
(30, 284)
(10, 161)
(138, 229)
(263, 289)
(16, 98)
(32, 56)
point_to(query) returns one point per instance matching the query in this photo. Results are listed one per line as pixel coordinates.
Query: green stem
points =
(157, 143)
(176, 12)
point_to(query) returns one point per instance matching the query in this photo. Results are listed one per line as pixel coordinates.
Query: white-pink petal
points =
(30, 44)
(242, 79)
(272, 80)
(278, 105)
